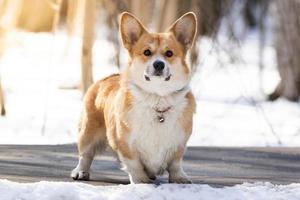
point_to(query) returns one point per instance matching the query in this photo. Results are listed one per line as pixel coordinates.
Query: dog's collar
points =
(160, 116)
(162, 111)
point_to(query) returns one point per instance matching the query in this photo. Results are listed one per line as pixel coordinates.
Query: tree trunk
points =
(81, 21)
(10, 13)
(2, 108)
(113, 8)
(287, 44)
(56, 6)
(141, 9)
(87, 43)
(166, 14)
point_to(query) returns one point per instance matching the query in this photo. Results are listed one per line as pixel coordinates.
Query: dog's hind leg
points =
(92, 140)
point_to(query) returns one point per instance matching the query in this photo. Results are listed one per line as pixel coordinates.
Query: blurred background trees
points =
(287, 44)
(2, 108)
(79, 17)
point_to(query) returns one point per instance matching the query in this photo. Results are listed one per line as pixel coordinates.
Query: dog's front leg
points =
(176, 173)
(135, 170)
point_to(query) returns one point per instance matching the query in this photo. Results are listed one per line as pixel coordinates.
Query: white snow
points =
(77, 191)
(230, 95)
(231, 111)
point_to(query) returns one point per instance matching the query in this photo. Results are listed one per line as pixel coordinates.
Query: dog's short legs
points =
(150, 175)
(92, 140)
(176, 173)
(82, 171)
(135, 170)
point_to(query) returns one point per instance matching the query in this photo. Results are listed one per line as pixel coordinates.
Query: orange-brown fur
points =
(187, 115)
(108, 102)
(99, 98)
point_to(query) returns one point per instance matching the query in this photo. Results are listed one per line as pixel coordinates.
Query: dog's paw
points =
(182, 179)
(80, 175)
(141, 179)
(151, 176)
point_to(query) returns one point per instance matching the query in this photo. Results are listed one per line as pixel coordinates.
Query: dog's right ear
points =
(131, 29)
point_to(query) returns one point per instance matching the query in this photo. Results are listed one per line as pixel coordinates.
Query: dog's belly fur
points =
(155, 142)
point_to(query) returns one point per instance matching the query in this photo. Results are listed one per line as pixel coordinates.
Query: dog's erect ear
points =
(185, 29)
(131, 29)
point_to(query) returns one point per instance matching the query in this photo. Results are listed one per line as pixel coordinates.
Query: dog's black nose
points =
(159, 65)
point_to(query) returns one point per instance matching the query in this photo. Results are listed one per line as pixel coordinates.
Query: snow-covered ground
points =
(36, 69)
(77, 191)
(231, 110)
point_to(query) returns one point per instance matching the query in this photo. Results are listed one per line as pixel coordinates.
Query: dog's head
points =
(158, 60)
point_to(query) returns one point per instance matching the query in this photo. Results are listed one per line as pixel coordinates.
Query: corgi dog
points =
(145, 113)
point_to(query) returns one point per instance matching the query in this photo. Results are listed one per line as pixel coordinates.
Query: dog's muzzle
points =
(159, 70)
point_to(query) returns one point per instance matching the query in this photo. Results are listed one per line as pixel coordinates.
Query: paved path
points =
(214, 166)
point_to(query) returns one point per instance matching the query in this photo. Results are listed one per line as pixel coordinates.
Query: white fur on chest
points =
(155, 142)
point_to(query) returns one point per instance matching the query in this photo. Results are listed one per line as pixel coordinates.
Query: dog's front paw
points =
(180, 179)
(140, 179)
(80, 175)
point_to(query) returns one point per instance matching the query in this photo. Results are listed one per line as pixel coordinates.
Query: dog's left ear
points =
(184, 29)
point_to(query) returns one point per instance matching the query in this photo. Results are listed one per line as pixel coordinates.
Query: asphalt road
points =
(206, 165)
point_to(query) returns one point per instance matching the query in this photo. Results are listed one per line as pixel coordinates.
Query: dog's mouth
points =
(168, 78)
(147, 78)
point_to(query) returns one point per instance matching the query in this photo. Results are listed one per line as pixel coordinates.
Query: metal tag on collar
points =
(161, 119)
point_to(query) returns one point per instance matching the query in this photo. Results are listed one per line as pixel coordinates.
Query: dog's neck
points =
(185, 89)
(155, 101)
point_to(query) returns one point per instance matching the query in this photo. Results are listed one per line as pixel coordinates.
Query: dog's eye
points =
(147, 52)
(169, 53)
